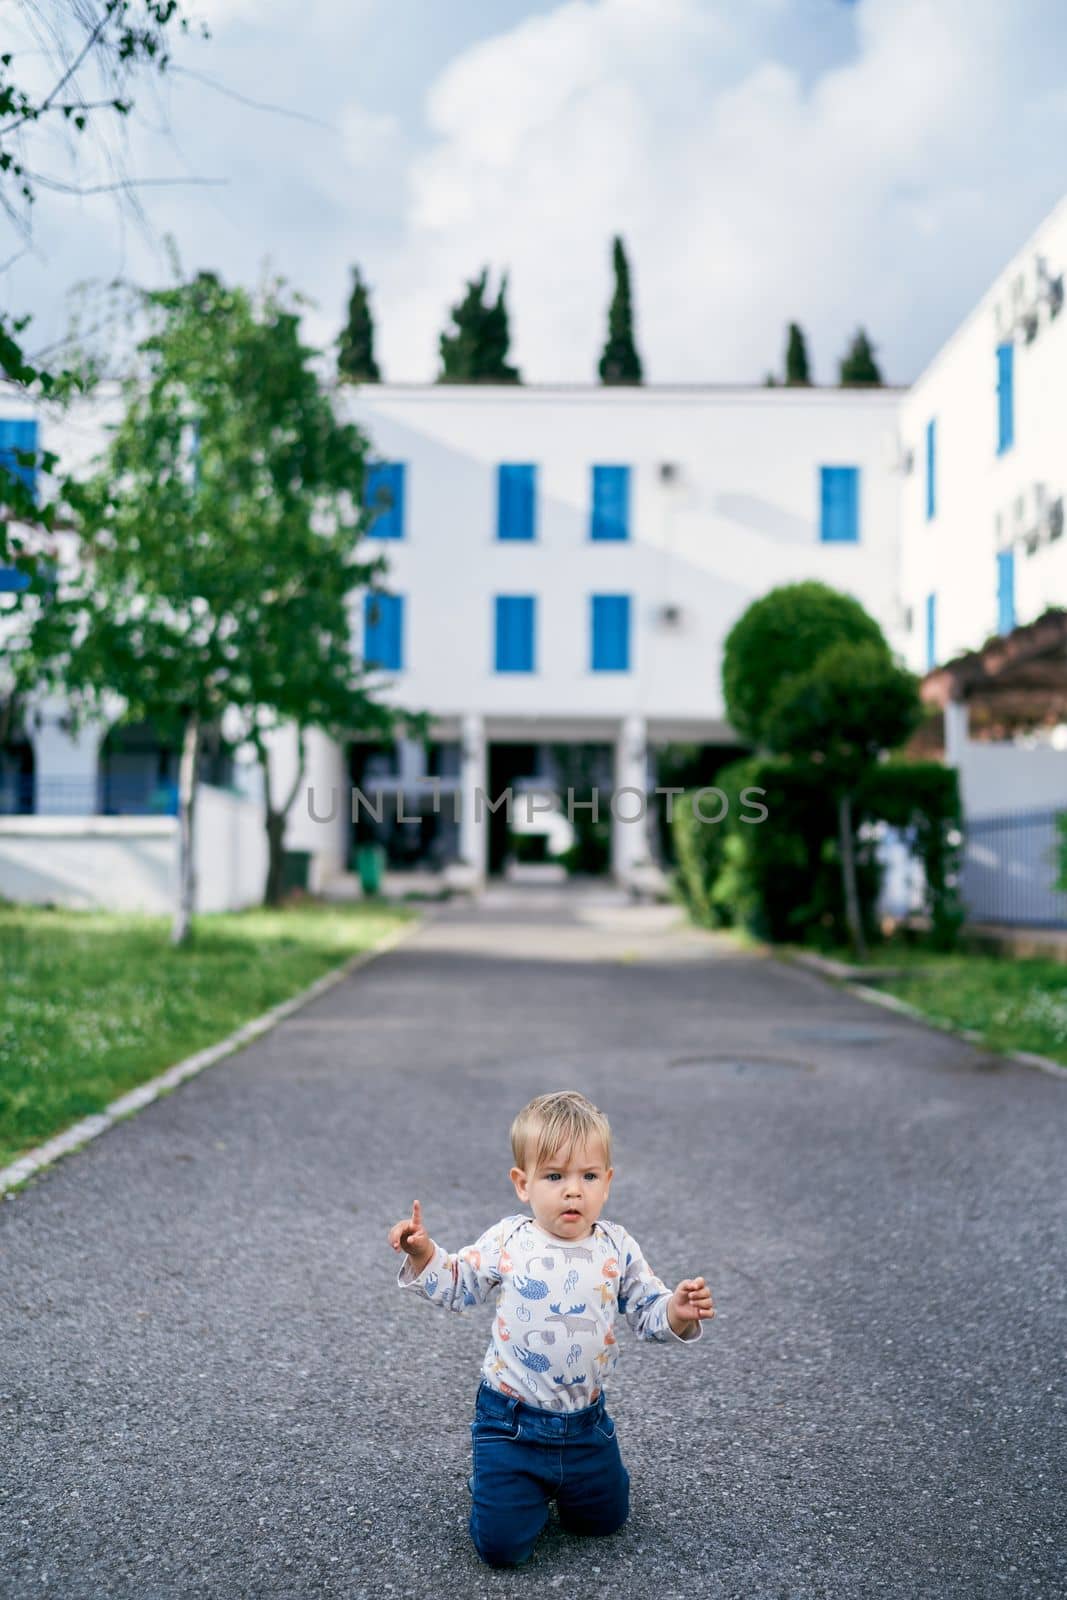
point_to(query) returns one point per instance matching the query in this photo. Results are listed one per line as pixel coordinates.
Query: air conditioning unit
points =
(1049, 288)
(1041, 521)
(670, 616)
(905, 462)
(669, 472)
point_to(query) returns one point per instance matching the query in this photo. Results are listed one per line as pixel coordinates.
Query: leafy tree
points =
(355, 357)
(797, 368)
(857, 365)
(839, 716)
(475, 350)
(781, 634)
(220, 545)
(96, 49)
(620, 362)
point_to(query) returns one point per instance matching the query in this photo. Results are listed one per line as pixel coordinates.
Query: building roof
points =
(1014, 682)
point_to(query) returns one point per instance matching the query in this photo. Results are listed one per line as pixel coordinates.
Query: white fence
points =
(131, 863)
(1009, 871)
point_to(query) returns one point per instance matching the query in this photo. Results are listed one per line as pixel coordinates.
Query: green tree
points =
(94, 51)
(840, 716)
(797, 368)
(355, 355)
(620, 362)
(475, 350)
(219, 551)
(857, 365)
(781, 634)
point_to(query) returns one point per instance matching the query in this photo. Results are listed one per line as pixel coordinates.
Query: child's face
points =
(567, 1193)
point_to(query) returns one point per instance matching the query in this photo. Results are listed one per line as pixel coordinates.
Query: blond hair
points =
(555, 1122)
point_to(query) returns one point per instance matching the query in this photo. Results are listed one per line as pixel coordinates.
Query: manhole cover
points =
(836, 1033)
(744, 1066)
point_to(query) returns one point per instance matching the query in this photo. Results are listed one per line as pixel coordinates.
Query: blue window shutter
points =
(611, 633)
(931, 469)
(1005, 590)
(931, 632)
(18, 435)
(383, 631)
(839, 505)
(385, 498)
(516, 500)
(1005, 397)
(514, 644)
(611, 503)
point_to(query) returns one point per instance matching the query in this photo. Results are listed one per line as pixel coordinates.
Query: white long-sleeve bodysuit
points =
(553, 1343)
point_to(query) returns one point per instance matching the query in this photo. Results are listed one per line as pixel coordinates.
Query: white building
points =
(984, 435)
(565, 563)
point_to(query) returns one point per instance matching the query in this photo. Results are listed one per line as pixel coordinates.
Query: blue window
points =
(1005, 590)
(931, 469)
(931, 632)
(839, 499)
(383, 631)
(516, 501)
(611, 503)
(385, 498)
(18, 436)
(514, 633)
(1005, 397)
(611, 633)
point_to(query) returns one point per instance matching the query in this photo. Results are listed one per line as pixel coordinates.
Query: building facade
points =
(983, 437)
(564, 565)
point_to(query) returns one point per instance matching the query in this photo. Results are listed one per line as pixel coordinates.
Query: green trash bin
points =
(370, 864)
(296, 870)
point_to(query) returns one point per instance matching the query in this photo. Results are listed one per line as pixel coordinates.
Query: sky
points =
(874, 162)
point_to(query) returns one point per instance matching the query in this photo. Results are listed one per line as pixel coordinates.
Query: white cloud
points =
(886, 192)
(370, 138)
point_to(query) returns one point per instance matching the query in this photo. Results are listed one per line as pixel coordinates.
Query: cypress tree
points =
(858, 365)
(475, 349)
(620, 362)
(355, 355)
(797, 370)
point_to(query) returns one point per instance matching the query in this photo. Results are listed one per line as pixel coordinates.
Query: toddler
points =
(540, 1428)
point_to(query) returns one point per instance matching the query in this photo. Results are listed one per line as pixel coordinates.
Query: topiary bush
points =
(783, 633)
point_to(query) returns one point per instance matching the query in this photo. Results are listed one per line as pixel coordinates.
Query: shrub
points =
(782, 634)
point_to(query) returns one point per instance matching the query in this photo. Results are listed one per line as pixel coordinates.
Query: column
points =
(957, 721)
(629, 801)
(474, 815)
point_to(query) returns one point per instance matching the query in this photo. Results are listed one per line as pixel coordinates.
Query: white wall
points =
(998, 778)
(742, 516)
(954, 555)
(131, 863)
(231, 851)
(324, 794)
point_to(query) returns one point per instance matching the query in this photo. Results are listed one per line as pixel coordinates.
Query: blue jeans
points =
(525, 1456)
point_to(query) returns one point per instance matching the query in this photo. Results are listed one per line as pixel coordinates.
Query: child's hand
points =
(410, 1236)
(689, 1305)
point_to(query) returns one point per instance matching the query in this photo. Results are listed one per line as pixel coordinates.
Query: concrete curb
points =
(134, 1100)
(889, 1002)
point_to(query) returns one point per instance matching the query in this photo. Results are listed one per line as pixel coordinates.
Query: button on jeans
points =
(525, 1456)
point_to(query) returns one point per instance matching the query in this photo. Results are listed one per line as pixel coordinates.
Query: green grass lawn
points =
(94, 1003)
(1014, 1004)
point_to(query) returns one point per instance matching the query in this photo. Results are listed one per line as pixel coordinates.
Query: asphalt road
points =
(210, 1385)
